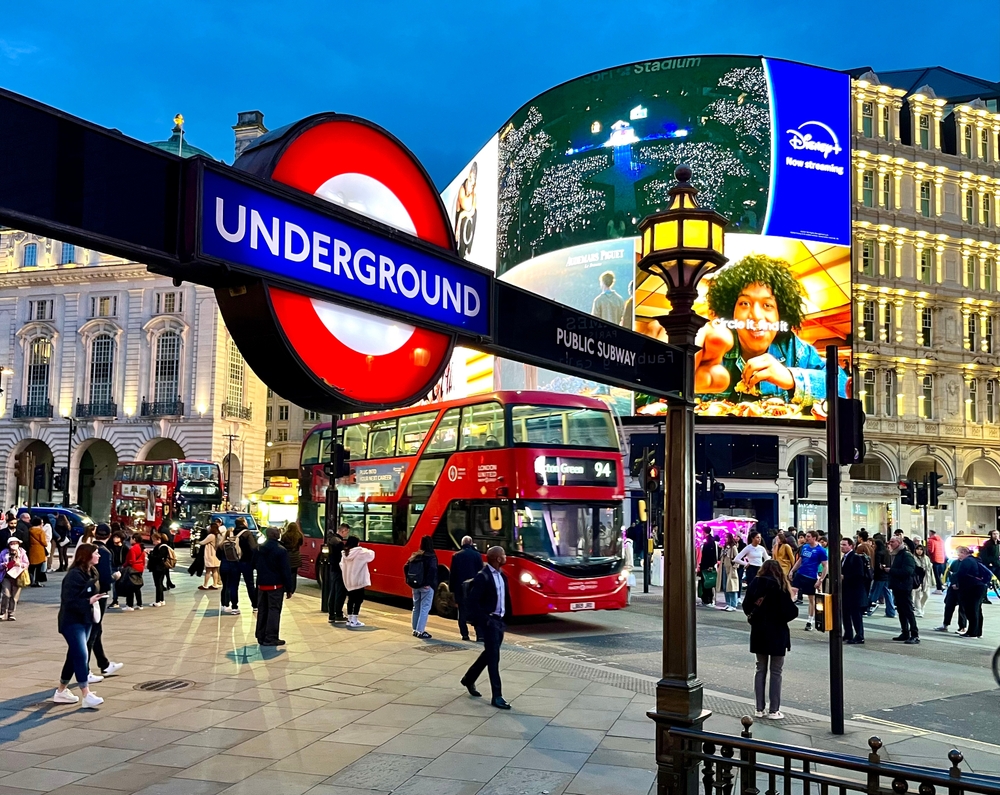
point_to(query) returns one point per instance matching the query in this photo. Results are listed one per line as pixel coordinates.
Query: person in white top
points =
(752, 556)
(354, 569)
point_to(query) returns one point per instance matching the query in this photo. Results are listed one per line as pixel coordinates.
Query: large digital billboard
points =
(769, 145)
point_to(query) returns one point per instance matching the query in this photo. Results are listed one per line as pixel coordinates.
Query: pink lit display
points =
(721, 526)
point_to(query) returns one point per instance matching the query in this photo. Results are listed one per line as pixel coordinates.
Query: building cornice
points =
(52, 277)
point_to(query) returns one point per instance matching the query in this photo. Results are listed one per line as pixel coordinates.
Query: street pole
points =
(332, 505)
(229, 471)
(833, 538)
(69, 462)
(647, 563)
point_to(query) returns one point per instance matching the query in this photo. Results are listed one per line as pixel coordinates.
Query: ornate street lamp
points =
(680, 246)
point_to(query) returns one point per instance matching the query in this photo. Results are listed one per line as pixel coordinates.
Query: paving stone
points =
(179, 786)
(217, 738)
(34, 778)
(609, 780)
(425, 785)
(274, 782)
(90, 760)
(585, 719)
(604, 756)
(226, 769)
(562, 738)
(489, 746)
(520, 781)
(129, 776)
(276, 744)
(507, 724)
(465, 767)
(439, 725)
(550, 759)
(181, 756)
(379, 771)
(323, 759)
(363, 734)
(13, 761)
(144, 739)
(417, 745)
(400, 715)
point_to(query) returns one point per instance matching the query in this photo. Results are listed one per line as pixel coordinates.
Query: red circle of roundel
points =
(386, 374)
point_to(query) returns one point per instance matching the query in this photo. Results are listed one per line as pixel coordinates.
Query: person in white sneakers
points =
(354, 568)
(78, 610)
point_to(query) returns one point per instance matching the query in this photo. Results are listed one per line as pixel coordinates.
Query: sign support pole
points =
(332, 505)
(833, 534)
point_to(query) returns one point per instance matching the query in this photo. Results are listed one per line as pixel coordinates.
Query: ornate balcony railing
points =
(102, 409)
(731, 765)
(32, 410)
(237, 412)
(162, 408)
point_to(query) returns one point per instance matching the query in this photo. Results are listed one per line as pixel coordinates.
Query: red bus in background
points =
(537, 473)
(143, 490)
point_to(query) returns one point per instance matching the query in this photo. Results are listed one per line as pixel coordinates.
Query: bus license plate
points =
(581, 605)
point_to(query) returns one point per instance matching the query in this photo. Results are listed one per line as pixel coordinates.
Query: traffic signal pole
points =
(833, 534)
(331, 512)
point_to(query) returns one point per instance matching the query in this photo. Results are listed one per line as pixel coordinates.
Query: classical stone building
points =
(144, 370)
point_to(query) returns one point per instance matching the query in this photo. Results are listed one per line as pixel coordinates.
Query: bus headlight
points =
(529, 579)
(175, 525)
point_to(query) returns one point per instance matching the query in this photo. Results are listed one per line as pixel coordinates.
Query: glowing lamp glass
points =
(695, 233)
(665, 235)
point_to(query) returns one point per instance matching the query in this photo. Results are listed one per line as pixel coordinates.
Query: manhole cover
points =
(438, 648)
(165, 685)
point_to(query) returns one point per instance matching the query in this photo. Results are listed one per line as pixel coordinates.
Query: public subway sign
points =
(289, 242)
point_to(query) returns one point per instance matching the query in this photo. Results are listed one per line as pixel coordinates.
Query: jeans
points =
(907, 618)
(354, 600)
(269, 616)
(246, 569)
(95, 643)
(489, 657)
(751, 572)
(881, 588)
(760, 678)
(230, 572)
(422, 598)
(731, 598)
(9, 592)
(76, 654)
(938, 574)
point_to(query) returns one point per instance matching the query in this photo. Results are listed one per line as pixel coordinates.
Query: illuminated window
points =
(869, 396)
(169, 303)
(102, 363)
(926, 191)
(988, 336)
(237, 370)
(924, 124)
(926, 266)
(104, 306)
(889, 393)
(868, 320)
(883, 130)
(971, 266)
(984, 145)
(166, 386)
(987, 209)
(970, 207)
(991, 400)
(68, 254)
(967, 149)
(989, 266)
(885, 266)
(887, 321)
(926, 327)
(972, 402)
(868, 188)
(887, 191)
(29, 256)
(868, 257)
(39, 359)
(926, 398)
(867, 119)
(971, 335)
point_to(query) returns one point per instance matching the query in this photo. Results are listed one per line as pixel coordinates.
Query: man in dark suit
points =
(901, 584)
(465, 565)
(489, 603)
(856, 573)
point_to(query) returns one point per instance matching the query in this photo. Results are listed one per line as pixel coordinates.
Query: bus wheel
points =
(444, 603)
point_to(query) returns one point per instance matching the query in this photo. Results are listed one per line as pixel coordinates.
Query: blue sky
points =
(443, 76)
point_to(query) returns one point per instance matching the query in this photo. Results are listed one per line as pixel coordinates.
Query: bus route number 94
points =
(602, 469)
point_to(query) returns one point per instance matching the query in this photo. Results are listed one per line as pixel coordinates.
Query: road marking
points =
(918, 732)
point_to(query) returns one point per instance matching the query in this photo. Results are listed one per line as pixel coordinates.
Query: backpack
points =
(415, 573)
(231, 549)
(171, 560)
(984, 575)
(866, 570)
(918, 577)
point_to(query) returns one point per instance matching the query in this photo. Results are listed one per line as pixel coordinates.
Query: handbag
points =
(709, 578)
(23, 579)
(135, 578)
(96, 608)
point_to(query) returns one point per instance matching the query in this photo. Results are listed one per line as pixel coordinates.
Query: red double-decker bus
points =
(537, 473)
(142, 490)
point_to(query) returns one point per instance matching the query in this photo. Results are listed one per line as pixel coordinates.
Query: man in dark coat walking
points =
(274, 582)
(338, 593)
(489, 604)
(465, 565)
(901, 585)
(856, 571)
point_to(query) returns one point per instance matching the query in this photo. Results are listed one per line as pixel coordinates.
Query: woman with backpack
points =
(135, 565)
(159, 567)
(292, 540)
(229, 568)
(421, 575)
(769, 608)
(354, 567)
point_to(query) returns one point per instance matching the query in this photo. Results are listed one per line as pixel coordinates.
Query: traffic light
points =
(922, 493)
(907, 496)
(38, 480)
(934, 488)
(651, 479)
(718, 490)
(340, 467)
(57, 481)
(641, 463)
(801, 476)
(851, 431)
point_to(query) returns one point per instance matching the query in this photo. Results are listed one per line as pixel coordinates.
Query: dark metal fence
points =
(745, 766)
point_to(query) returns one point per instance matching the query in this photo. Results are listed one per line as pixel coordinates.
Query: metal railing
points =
(102, 409)
(31, 410)
(162, 408)
(236, 411)
(778, 769)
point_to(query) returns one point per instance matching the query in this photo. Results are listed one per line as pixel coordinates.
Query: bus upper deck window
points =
(482, 426)
(445, 438)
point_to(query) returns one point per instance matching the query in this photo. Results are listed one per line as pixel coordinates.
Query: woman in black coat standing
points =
(80, 591)
(769, 608)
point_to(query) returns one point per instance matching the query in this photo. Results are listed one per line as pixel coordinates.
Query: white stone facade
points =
(148, 363)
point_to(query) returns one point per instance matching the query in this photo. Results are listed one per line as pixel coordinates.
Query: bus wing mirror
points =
(496, 519)
(642, 510)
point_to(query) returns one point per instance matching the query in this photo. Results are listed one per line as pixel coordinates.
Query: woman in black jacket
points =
(80, 592)
(62, 538)
(158, 557)
(292, 540)
(769, 608)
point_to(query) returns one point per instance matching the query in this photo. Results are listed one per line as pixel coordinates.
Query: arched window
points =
(39, 359)
(234, 392)
(166, 387)
(102, 365)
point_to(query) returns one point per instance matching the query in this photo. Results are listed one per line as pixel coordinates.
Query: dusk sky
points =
(443, 76)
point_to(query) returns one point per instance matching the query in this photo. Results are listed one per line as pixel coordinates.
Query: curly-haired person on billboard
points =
(749, 348)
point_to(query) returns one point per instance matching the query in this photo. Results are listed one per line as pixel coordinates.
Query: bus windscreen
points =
(564, 427)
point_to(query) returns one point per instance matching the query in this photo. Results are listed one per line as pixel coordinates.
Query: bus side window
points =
(119, 473)
(481, 526)
(354, 517)
(310, 452)
(382, 439)
(412, 431)
(482, 426)
(355, 440)
(378, 524)
(418, 491)
(445, 438)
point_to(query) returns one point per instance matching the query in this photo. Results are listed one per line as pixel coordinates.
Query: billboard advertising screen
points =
(768, 142)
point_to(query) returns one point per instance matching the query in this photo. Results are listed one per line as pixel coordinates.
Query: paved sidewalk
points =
(344, 712)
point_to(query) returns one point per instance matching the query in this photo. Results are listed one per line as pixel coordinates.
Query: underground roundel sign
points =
(327, 356)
